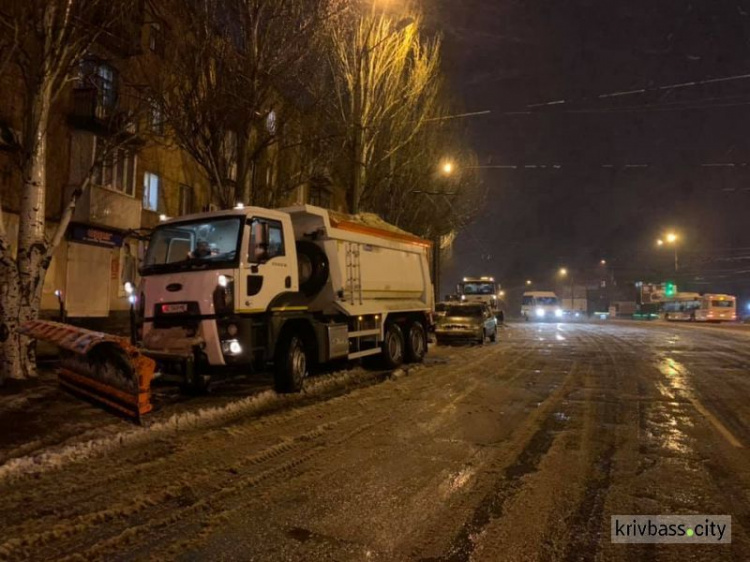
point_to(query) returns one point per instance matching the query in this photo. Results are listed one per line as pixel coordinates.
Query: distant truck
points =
(244, 288)
(484, 290)
(541, 305)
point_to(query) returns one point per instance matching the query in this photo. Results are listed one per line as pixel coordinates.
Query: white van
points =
(541, 305)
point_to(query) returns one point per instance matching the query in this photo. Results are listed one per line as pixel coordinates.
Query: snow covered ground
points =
(519, 450)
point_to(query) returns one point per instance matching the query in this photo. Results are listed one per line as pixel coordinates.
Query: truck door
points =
(269, 264)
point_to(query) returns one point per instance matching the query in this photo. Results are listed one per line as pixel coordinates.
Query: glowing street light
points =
(603, 262)
(447, 167)
(563, 272)
(528, 282)
(672, 239)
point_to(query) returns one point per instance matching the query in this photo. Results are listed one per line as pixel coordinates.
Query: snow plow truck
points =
(250, 288)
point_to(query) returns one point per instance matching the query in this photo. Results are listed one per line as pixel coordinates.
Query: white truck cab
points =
(239, 289)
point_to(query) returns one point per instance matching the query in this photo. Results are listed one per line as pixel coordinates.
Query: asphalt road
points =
(519, 450)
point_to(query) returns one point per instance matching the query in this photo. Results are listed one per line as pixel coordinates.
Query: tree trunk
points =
(24, 282)
(358, 171)
(14, 362)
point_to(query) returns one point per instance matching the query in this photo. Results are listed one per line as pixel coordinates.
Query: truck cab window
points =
(266, 240)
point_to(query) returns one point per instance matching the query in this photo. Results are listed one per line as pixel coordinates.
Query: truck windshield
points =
(478, 288)
(204, 244)
(546, 301)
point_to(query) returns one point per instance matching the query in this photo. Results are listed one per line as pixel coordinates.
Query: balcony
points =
(105, 207)
(96, 111)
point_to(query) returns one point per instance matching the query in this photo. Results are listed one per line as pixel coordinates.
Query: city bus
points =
(694, 307)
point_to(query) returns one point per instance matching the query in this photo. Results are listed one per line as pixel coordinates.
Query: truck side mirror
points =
(259, 242)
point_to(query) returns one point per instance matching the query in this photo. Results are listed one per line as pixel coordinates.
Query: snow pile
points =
(205, 417)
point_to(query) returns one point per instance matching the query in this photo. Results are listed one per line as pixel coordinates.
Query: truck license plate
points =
(173, 308)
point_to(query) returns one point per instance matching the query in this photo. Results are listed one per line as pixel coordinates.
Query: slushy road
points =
(519, 450)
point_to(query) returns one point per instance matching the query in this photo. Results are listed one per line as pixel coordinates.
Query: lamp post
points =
(61, 304)
(563, 273)
(671, 239)
(131, 300)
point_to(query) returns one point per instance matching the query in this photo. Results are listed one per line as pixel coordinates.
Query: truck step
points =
(365, 353)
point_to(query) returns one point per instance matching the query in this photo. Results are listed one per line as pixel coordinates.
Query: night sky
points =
(628, 166)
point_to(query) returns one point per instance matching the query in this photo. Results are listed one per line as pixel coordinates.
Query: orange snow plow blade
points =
(104, 368)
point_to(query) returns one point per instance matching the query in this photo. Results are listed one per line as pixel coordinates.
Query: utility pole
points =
(436, 266)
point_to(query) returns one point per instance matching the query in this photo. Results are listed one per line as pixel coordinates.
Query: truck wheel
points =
(393, 347)
(493, 337)
(290, 365)
(313, 267)
(416, 343)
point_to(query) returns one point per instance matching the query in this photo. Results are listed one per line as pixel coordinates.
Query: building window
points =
(115, 167)
(156, 118)
(320, 195)
(155, 38)
(101, 76)
(271, 123)
(151, 188)
(186, 200)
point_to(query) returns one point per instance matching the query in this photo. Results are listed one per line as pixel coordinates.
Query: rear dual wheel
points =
(416, 343)
(393, 346)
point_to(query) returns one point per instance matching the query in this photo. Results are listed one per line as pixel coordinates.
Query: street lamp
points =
(447, 167)
(671, 238)
(528, 282)
(603, 262)
(129, 289)
(563, 273)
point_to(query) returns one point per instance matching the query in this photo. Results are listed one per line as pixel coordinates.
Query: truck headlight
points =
(224, 295)
(558, 313)
(540, 312)
(231, 347)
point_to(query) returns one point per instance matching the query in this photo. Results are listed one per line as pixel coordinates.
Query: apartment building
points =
(143, 177)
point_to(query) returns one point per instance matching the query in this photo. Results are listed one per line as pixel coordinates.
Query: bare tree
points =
(232, 68)
(413, 192)
(384, 72)
(50, 38)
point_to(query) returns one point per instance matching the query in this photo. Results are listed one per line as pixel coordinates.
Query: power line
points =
(638, 91)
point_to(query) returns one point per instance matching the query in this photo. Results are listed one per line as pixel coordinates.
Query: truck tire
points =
(493, 337)
(416, 343)
(313, 267)
(393, 347)
(290, 364)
